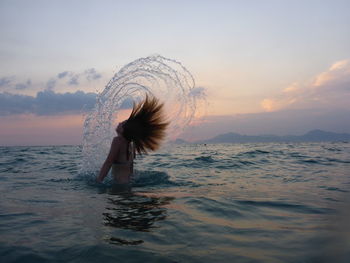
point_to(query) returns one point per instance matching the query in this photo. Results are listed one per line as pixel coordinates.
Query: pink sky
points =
(29, 129)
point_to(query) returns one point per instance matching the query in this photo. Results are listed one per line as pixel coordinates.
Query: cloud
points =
(22, 86)
(329, 89)
(5, 81)
(46, 102)
(68, 77)
(62, 74)
(268, 104)
(15, 103)
(50, 84)
(91, 74)
(74, 80)
(198, 92)
(73, 77)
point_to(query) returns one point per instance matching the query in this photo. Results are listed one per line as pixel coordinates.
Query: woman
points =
(143, 131)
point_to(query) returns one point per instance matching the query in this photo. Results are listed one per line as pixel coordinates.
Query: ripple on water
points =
(215, 208)
(330, 188)
(202, 204)
(298, 208)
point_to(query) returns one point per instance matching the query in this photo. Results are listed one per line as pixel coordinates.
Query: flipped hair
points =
(146, 125)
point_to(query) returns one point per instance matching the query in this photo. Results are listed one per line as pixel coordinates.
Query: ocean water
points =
(273, 202)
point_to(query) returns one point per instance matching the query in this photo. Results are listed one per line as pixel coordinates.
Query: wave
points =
(151, 178)
(286, 206)
(206, 159)
(253, 153)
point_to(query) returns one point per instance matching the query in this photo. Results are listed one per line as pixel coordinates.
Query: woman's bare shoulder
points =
(117, 144)
(116, 138)
(118, 141)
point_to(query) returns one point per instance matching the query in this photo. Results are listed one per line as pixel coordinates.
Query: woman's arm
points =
(109, 160)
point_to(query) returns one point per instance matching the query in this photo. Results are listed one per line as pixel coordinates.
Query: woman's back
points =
(122, 167)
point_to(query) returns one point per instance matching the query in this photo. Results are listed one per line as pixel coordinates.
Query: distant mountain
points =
(179, 141)
(311, 136)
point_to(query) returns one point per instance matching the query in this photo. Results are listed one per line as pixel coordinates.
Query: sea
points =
(253, 202)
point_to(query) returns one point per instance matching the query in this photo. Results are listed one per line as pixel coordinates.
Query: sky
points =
(267, 67)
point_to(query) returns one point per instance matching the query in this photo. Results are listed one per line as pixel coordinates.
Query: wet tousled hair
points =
(146, 125)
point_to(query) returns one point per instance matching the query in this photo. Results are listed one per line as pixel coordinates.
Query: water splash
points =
(167, 79)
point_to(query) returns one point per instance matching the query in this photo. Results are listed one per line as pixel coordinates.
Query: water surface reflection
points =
(133, 211)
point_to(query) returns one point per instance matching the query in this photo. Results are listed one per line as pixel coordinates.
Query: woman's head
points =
(146, 125)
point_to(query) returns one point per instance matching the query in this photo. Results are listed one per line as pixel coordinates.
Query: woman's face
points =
(120, 128)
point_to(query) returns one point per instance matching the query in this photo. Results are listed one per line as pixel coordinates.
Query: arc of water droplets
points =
(167, 79)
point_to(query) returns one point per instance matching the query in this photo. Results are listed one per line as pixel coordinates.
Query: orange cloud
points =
(292, 88)
(330, 89)
(337, 70)
(268, 105)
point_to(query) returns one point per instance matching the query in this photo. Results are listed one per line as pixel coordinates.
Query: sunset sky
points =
(268, 67)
